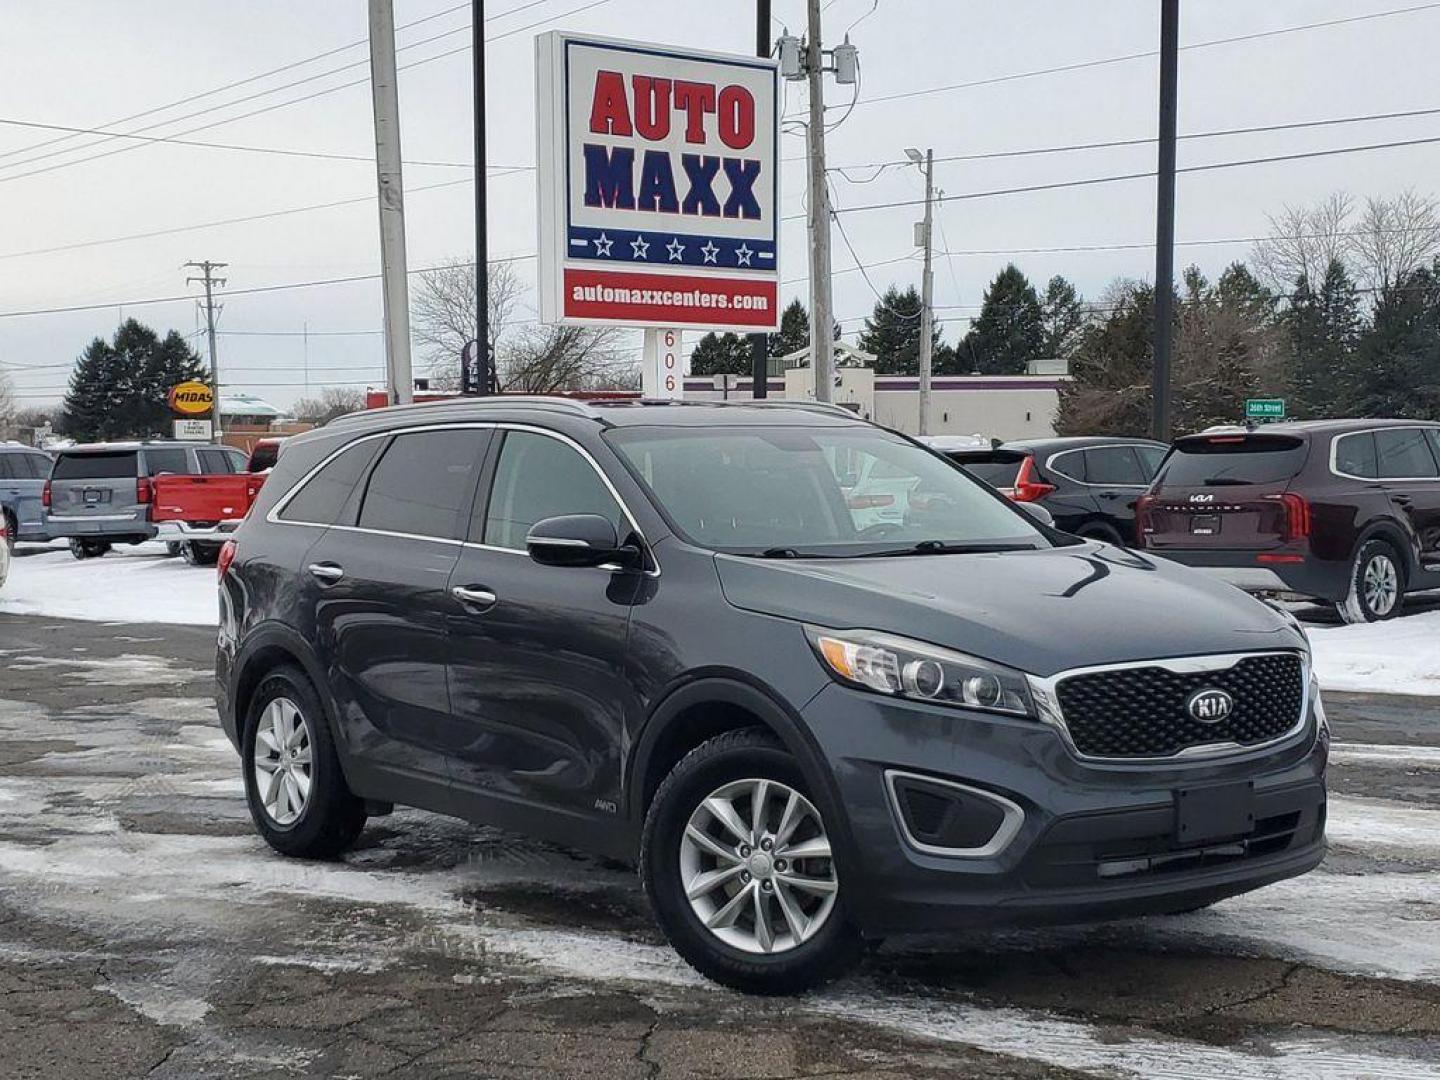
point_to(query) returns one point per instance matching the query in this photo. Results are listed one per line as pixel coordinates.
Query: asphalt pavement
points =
(146, 931)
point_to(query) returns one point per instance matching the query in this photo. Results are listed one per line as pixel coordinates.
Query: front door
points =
(1117, 478)
(380, 581)
(1408, 463)
(537, 671)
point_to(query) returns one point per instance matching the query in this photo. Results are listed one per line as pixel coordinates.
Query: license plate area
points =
(1214, 812)
(1205, 525)
(93, 496)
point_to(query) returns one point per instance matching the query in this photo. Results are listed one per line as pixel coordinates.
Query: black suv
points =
(656, 631)
(1090, 484)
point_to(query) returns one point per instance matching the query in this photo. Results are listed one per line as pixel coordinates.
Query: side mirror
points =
(1039, 513)
(578, 540)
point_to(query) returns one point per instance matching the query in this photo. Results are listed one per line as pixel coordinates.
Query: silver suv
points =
(100, 495)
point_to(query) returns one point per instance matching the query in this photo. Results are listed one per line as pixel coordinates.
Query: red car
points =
(197, 514)
(1343, 511)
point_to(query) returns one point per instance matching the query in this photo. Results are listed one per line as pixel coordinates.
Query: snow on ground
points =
(1401, 656)
(130, 584)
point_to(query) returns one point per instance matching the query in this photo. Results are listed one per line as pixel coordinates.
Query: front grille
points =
(1140, 712)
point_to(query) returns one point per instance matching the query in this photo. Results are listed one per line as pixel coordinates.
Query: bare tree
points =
(333, 401)
(544, 359)
(1394, 237)
(1304, 240)
(442, 314)
(7, 398)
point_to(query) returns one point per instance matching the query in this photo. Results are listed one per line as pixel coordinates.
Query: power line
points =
(1149, 174)
(1140, 141)
(293, 101)
(1086, 64)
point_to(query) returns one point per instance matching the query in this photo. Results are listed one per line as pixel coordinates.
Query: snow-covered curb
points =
(1401, 656)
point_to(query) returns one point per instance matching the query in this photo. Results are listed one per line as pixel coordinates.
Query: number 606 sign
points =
(662, 375)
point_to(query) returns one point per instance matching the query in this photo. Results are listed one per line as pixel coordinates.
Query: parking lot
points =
(146, 930)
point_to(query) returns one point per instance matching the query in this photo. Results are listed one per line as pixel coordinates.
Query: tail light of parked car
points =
(225, 558)
(45, 495)
(1142, 514)
(1297, 526)
(143, 491)
(1027, 488)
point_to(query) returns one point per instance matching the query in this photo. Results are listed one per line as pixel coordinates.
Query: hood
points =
(1040, 611)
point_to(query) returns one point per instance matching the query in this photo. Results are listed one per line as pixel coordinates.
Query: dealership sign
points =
(659, 186)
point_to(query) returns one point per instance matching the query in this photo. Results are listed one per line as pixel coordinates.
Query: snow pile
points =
(1401, 656)
(130, 584)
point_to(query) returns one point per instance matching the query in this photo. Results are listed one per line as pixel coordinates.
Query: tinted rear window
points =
(159, 461)
(113, 466)
(320, 501)
(1228, 459)
(424, 483)
(1404, 454)
(997, 474)
(264, 457)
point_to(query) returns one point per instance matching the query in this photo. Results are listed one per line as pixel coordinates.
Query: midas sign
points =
(658, 186)
(191, 398)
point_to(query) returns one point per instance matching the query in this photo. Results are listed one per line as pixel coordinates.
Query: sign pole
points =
(488, 377)
(661, 374)
(759, 343)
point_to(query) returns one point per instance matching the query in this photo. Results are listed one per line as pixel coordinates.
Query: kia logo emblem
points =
(1209, 706)
(1202, 498)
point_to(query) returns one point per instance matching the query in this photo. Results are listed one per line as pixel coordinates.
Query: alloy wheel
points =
(756, 866)
(1381, 584)
(283, 761)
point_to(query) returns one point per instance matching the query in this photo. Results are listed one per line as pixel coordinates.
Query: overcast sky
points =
(89, 63)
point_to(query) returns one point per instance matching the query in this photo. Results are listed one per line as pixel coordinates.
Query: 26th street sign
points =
(658, 186)
(1265, 409)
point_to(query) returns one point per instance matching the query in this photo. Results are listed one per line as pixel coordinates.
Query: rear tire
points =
(81, 548)
(1103, 533)
(305, 810)
(198, 554)
(753, 945)
(1377, 584)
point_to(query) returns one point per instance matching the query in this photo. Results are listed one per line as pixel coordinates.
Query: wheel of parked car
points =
(1103, 533)
(197, 554)
(87, 549)
(293, 783)
(174, 547)
(1377, 584)
(737, 863)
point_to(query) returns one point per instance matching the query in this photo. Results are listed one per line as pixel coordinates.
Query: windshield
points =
(1228, 460)
(816, 492)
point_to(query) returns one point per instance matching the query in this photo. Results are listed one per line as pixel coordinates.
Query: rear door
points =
(95, 485)
(1116, 476)
(1223, 492)
(1407, 462)
(378, 581)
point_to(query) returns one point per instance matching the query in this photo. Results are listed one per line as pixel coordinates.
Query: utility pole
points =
(822, 320)
(759, 358)
(391, 191)
(209, 280)
(927, 288)
(1165, 219)
(482, 263)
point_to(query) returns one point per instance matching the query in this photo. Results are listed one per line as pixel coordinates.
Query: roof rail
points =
(573, 405)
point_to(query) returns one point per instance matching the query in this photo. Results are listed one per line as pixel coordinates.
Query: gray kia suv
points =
(667, 633)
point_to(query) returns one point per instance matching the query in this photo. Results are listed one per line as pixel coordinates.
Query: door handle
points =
(474, 596)
(326, 571)
(1403, 500)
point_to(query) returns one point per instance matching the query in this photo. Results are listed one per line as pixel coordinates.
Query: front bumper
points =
(1323, 579)
(1097, 841)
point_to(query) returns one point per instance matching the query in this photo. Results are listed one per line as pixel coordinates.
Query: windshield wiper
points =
(783, 553)
(940, 547)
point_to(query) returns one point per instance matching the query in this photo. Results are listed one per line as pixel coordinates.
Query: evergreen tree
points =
(794, 332)
(1399, 354)
(1323, 330)
(721, 354)
(1109, 388)
(118, 389)
(1062, 312)
(892, 333)
(1010, 329)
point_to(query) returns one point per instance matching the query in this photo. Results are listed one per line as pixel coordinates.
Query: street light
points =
(914, 155)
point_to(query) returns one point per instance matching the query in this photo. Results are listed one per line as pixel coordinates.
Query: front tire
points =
(1377, 584)
(297, 793)
(198, 554)
(736, 861)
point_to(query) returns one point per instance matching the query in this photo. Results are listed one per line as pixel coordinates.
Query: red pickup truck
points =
(196, 514)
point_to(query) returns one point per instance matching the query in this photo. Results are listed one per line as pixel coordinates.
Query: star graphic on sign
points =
(742, 255)
(602, 244)
(676, 249)
(710, 251)
(641, 247)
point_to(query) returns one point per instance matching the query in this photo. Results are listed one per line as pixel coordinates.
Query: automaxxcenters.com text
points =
(696, 298)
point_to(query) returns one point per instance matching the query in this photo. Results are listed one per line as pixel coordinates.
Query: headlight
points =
(912, 669)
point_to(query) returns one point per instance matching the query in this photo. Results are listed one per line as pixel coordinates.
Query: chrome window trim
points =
(488, 425)
(1010, 824)
(1050, 464)
(1335, 453)
(1047, 704)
